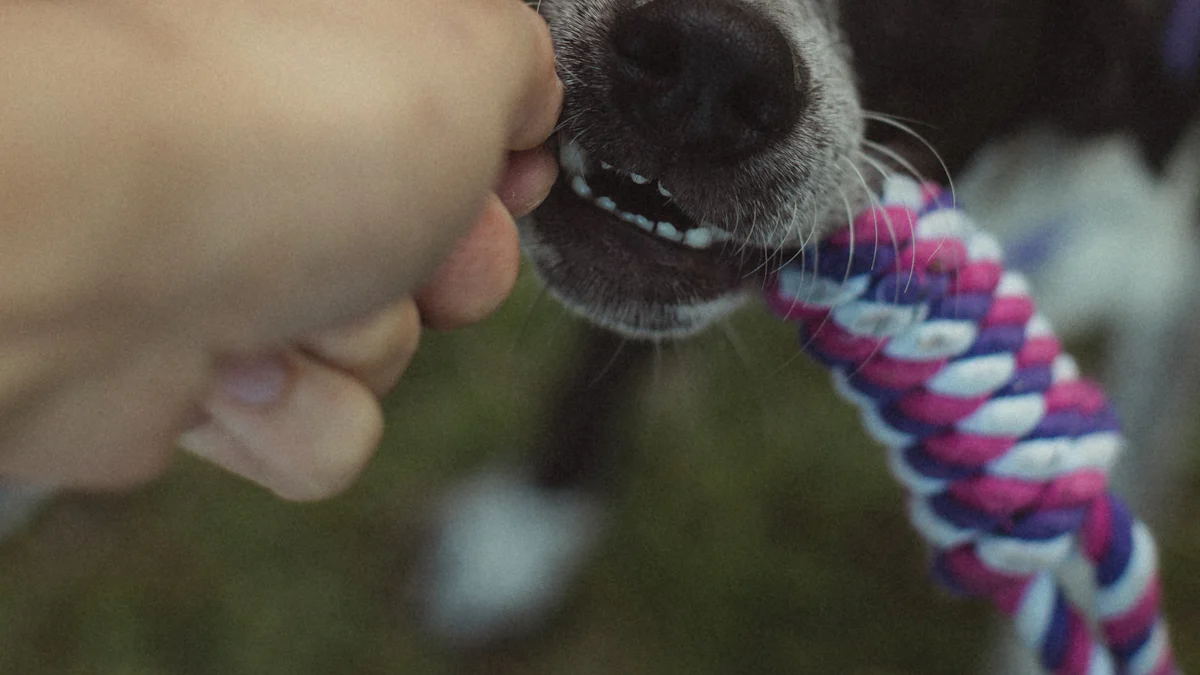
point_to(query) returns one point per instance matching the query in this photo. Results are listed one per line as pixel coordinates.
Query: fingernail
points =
(253, 381)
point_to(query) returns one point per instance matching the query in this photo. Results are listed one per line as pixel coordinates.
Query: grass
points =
(757, 531)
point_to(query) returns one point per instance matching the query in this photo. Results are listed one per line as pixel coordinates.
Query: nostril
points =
(762, 109)
(649, 53)
(704, 79)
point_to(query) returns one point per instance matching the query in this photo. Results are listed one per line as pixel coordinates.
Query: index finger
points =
(535, 118)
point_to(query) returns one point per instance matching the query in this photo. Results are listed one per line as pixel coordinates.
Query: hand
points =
(304, 420)
(238, 217)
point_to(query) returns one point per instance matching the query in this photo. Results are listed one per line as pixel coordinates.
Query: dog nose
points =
(707, 80)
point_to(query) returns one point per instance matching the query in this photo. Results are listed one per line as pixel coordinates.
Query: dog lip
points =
(603, 263)
(679, 229)
(662, 242)
(670, 221)
(579, 165)
(620, 277)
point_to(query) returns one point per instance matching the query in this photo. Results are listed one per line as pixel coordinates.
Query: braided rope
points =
(1003, 448)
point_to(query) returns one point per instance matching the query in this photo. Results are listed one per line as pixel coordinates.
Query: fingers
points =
(299, 427)
(376, 351)
(477, 276)
(337, 136)
(303, 423)
(526, 181)
(539, 111)
(483, 267)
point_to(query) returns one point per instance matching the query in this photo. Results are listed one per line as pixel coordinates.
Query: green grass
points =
(757, 531)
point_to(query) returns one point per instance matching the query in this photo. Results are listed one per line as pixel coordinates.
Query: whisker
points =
(874, 201)
(786, 237)
(875, 114)
(897, 158)
(562, 124)
(816, 254)
(887, 218)
(804, 239)
(850, 222)
(735, 341)
(527, 320)
(611, 360)
(880, 168)
(908, 130)
(824, 320)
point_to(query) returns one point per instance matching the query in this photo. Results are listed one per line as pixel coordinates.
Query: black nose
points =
(705, 79)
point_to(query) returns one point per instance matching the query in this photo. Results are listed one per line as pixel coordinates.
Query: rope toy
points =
(1004, 450)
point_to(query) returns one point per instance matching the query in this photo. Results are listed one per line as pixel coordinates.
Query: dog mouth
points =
(621, 249)
(636, 200)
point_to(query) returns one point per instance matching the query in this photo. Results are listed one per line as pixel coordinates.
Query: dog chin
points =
(638, 289)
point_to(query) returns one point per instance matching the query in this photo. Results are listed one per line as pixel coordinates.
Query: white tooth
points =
(638, 178)
(628, 217)
(581, 188)
(573, 158)
(606, 204)
(645, 223)
(668, 231)
(606, 166)
(663, 191)
(717, 233)
(698, 238)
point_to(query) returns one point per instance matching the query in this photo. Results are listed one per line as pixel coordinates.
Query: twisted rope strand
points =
(1003, 448)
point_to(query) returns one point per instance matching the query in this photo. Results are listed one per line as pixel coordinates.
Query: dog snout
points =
(704, 80)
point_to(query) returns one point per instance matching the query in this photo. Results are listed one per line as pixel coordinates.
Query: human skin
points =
(229, 219)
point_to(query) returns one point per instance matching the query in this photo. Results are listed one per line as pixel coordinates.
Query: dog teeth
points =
(667, 231)
(573, 158)
(697, 237)
(606, 166)
(581, 188)
(718, 235)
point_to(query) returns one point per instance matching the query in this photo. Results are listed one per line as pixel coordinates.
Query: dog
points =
(703, 143)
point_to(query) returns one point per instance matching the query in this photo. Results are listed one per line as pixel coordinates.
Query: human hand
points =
(267, 199)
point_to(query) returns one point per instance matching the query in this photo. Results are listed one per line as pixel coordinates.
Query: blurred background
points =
(755, 529)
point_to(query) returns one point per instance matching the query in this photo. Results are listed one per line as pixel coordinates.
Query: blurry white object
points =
(1105, 240)
(505, 553)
